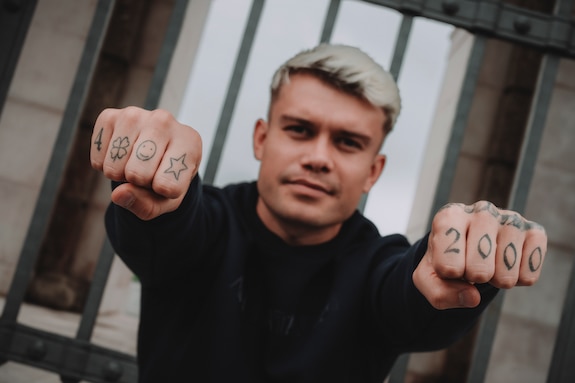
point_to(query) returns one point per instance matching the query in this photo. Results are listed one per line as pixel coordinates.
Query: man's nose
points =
(318, 156)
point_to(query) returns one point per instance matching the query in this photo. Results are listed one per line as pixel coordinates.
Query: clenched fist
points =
(151, 152)
(478, 244)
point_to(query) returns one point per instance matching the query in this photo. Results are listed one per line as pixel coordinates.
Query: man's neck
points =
(295, 233)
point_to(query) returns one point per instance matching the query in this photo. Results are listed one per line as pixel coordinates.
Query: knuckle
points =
(165, 188)
(449, 271)
(528, 281)
(113, 172)
(161, 118)
(131, 115)
(96, 163)
(504, 282)
(478, 274)
(106, 115)
(137, 176)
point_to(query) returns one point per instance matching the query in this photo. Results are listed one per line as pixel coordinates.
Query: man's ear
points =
(260, 134)
(374, 172)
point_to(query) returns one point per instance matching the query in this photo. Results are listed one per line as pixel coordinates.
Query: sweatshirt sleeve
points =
(162, 248)
(403, 315)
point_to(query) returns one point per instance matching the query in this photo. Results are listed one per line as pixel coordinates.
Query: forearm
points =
(407, 320)
(146, 246)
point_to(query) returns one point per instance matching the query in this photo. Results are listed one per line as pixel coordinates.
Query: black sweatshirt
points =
(226, 300)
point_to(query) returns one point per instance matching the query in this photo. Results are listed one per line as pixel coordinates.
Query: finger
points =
(441, 293)
(179, 164)
(103, 129)
(510, 241)
(125, 133)
(144, 160)
(447, 242)
(481, 242)
(143, 203)
(533, 255)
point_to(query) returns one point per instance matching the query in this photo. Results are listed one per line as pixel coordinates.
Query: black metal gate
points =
(78, 359)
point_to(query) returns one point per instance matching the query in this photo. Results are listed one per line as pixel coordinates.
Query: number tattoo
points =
(177, 166)
(98, 141)
(509, 264)
(119, 148)
(450, 248)
(483, 242)
(535, 253)
(146, 150)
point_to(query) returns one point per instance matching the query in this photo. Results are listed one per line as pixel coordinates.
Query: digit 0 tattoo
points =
(450, 248)
(484, 246)
(98, 141)
(510, 249)
(535, 259)
(119, 148)
(177, 166)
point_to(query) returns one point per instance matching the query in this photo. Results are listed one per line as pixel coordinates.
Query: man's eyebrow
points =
(285, 118)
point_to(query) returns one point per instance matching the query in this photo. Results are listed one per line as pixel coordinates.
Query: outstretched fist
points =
(151, 152)
(478, 243)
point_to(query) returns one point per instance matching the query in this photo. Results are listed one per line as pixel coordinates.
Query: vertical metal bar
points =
(401, 45)
(396, 63)
(562, 369)
(233, 91)
(534, 132)
(15, 19)
(96, 292)
(329, 22)
(459, 123)
(97, 286)
(54, 173)
(166, 54)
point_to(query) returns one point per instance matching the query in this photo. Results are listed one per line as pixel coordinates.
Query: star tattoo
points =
(177, 166)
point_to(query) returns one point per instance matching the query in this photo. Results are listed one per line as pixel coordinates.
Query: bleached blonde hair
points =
(349, 69)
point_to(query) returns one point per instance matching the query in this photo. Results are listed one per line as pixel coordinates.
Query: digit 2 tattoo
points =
(177, 166)
(450, 248)
(119, 148)
(98, 141)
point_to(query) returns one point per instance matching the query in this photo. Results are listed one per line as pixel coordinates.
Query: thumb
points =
(142, 202)
(441, 293)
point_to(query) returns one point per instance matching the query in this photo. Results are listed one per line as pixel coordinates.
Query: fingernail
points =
(126, 200)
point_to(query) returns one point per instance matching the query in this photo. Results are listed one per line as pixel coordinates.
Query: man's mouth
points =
(312, 185)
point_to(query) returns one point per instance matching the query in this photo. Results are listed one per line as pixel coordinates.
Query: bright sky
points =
(287, 27)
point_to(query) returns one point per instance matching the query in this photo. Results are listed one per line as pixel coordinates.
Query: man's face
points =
(318, 153)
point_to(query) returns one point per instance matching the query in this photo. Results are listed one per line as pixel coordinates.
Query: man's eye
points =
(298, 129)
(349, 143)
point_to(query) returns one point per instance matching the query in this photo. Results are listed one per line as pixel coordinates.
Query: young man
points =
(282, 279)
